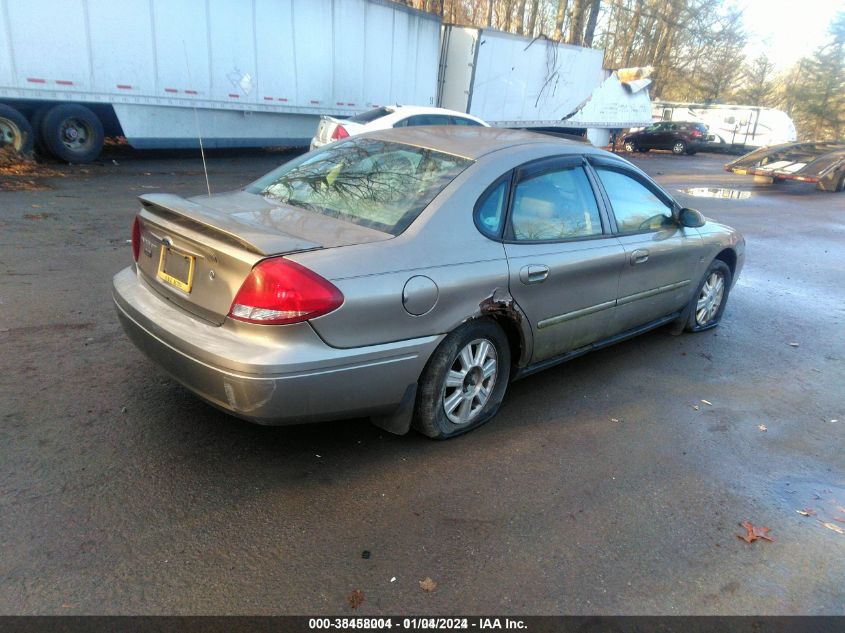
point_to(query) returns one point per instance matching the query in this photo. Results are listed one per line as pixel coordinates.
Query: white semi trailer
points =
(515, 81)
(164, 73)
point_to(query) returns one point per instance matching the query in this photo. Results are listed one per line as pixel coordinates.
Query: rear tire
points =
(73, 133)
(464, 381)
(15, 131)
(679, 147)
(708, 303)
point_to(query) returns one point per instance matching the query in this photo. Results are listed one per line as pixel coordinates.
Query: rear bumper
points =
(267, 374)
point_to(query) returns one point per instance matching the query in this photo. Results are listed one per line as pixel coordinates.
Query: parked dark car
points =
(680, 137)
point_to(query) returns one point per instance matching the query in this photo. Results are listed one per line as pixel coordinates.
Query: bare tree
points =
(595, 7)
(559, 18)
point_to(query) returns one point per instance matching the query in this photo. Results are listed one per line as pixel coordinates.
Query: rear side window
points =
(372, 183)
(635, 206)
(370, 115)
(555, 205)
(490, 211)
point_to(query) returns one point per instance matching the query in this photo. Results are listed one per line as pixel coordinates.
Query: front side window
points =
(555, 205)
(428, 119)
(459, 120)
(377, 184)
(635, 206)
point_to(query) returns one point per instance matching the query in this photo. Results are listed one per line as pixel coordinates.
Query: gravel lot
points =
(604, 486)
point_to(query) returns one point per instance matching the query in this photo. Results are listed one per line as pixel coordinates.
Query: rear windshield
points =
(370, 115)
(372, 183)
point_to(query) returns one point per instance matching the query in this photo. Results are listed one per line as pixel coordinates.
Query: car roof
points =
(473, 142)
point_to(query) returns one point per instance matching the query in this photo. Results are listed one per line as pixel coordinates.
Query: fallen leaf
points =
(835, 528)
(809, 512)
(840, 519)
(695, 406)
(762, 427)
(793, 344)
(356, 599)
(428, 585)
(393, 579)
(707, 402)
(614, 420)
(754, 533)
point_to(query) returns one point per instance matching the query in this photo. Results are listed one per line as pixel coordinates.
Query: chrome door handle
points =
(639, 256)
(533, 274)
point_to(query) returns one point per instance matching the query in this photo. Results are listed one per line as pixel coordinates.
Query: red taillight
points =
(280, 291)
(339, 133)
(696, 133)
(136, 238)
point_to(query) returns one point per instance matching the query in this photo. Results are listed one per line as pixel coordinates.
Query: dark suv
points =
(680, 137)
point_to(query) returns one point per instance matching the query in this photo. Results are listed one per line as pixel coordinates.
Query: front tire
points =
(708, 303)
(72, 133)
(679, 148)
(630, 146)
(464, 381)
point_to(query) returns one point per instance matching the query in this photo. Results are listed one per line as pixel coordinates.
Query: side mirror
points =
(691, 218)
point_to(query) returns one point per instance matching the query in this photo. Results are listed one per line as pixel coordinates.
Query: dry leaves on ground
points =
(355, 599)
(754, 533)
(428, 585)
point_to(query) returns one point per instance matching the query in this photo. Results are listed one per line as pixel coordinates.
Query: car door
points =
(649, 136)
(661, 256)
(564, 263)
(664, 136)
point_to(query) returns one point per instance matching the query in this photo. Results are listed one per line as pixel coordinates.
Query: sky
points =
(787, 30)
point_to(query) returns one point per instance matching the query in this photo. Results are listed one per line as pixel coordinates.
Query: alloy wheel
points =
(470, 381)
(710, 298)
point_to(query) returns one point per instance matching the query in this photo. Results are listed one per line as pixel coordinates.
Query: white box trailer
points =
(735, 127)
(237, 72)
(514, 81)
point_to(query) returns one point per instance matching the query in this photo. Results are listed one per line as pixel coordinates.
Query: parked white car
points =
(331, 129)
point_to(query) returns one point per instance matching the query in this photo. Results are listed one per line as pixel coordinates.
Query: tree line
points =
(697, 49)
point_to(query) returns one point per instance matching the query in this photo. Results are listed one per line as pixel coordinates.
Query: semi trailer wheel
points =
(72, 133)
(15, 131)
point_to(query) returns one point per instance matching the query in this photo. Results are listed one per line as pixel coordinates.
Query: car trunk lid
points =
(328, 125)
(197, 252)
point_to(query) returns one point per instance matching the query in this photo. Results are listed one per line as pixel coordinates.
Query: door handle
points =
(533, 274)
(639, 256)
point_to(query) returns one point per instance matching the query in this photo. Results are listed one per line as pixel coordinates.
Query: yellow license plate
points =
(741, 172)
(176, 268)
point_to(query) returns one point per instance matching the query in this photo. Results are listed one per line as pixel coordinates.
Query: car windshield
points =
(370, 115)
(377, 184)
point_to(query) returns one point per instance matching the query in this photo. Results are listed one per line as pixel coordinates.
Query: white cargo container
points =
(237, 72)
(514, 81)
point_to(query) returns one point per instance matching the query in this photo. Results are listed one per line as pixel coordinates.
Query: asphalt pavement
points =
(614, 484)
